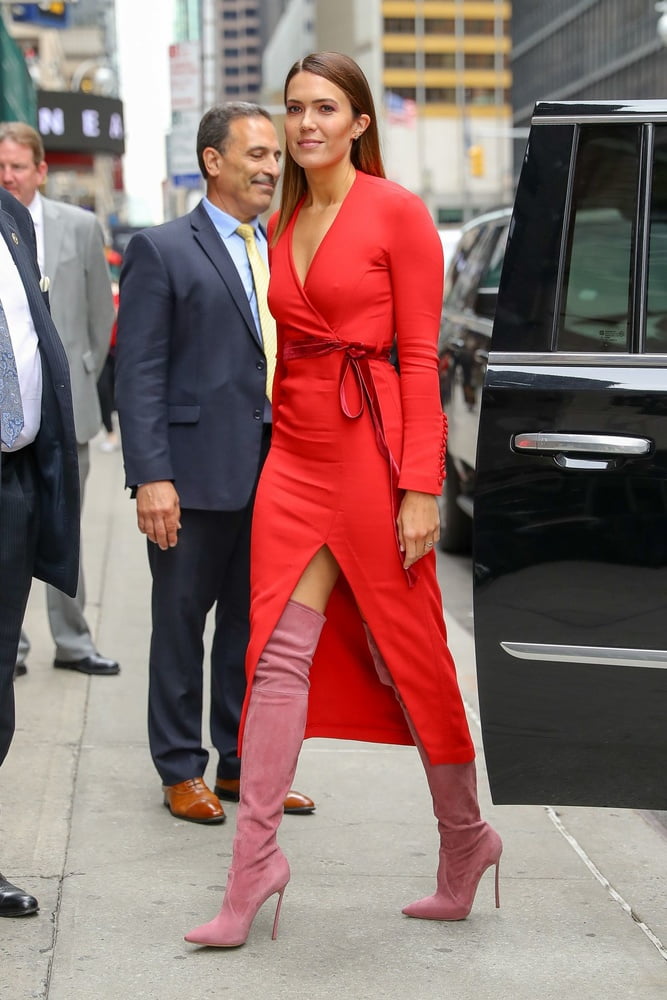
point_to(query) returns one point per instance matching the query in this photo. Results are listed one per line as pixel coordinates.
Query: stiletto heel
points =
(456, 887)
(277, 916)
(243, 900)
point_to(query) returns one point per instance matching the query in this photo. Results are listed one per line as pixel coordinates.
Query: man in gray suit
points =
(70, 251)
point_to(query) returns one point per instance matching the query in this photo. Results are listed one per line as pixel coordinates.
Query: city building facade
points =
(440, 76)
(446, 81)
(585, 50)
(70, 55)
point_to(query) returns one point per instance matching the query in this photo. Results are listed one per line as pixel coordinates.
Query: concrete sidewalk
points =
(583, 891)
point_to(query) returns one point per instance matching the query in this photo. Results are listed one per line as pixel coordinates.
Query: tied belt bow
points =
(357, 357)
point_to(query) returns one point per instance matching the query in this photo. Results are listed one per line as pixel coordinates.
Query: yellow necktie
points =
(260, 277)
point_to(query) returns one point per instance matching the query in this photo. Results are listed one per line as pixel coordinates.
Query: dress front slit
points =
(350, 436)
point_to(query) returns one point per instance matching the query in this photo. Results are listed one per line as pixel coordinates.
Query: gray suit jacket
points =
(81, 303)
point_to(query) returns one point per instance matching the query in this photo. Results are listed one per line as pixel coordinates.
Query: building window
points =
(253, 88)
(439, 26)
(231, 71)
(440, 60)
(440, 95)
(401, 60)
(252, 31)
(229, 15)
(230, 33)
(399, 25)
(230, 53)
(480, 27)
(480, 60)
(480, 95)
(407, 93)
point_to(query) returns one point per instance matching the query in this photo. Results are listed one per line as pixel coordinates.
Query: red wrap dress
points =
(349, 435)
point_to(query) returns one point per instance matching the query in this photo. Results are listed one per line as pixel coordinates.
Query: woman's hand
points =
(418, 525)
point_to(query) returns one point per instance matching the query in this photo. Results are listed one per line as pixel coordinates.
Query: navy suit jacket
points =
(190, 368)
(55, 449)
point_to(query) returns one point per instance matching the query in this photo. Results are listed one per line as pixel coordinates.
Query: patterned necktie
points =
(260, 277)
(11, 407)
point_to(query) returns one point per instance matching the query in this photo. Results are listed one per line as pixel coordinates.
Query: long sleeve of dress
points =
(416, 264)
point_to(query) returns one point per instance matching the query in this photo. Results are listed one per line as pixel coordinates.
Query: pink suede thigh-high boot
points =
(468, 845)
(272, 738)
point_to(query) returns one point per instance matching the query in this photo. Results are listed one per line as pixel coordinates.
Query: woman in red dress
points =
(346, 514)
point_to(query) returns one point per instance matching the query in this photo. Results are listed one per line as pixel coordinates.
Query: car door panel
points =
(570, 595)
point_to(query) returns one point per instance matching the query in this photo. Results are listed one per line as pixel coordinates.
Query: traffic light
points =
(476, 159)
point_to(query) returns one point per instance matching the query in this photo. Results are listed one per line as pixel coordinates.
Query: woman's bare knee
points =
(317, 581)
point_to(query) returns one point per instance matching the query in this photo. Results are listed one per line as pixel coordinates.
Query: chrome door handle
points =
(618, 445)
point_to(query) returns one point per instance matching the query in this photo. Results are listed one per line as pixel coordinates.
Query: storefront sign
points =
(80, 122)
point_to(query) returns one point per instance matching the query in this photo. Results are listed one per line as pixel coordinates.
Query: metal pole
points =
(420, 99)
(464, 132)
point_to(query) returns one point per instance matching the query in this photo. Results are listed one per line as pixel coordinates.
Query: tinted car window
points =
(596, 299)
(491, 277)
(656, 300)
(487, 290)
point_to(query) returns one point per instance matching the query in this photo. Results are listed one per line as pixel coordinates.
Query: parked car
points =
(471, 289)
(570, 516)
(449, 238)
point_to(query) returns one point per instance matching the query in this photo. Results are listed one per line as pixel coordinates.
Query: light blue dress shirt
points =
(226, 226)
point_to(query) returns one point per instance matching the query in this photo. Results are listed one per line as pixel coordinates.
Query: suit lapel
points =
(207, 237)
(25, 262)
(22, 259)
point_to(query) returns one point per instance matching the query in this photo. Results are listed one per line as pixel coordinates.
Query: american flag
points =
(399, 110)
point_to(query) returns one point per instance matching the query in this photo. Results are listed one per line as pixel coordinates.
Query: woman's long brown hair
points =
(342, 71)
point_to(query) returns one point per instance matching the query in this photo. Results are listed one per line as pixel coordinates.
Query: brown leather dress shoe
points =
(295, 803)
(193, 800)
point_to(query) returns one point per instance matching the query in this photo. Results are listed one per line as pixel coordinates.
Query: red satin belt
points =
(356, 364)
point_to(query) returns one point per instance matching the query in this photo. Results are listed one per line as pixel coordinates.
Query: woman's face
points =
(320, 125)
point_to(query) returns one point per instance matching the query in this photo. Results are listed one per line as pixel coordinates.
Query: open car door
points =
(570, 525)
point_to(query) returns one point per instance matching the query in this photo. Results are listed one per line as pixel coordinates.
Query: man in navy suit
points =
(39, 491)
(195, 427)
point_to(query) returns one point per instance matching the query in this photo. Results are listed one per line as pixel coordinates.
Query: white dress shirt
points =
(36, 209)
(25, 344)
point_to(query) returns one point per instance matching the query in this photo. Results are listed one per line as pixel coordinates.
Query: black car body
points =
(471, 289)
(570, 546)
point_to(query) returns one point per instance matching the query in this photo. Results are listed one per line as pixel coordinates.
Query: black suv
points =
(471, 289)
(570, 539)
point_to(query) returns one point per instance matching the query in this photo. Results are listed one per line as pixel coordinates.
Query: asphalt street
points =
(82, 826)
